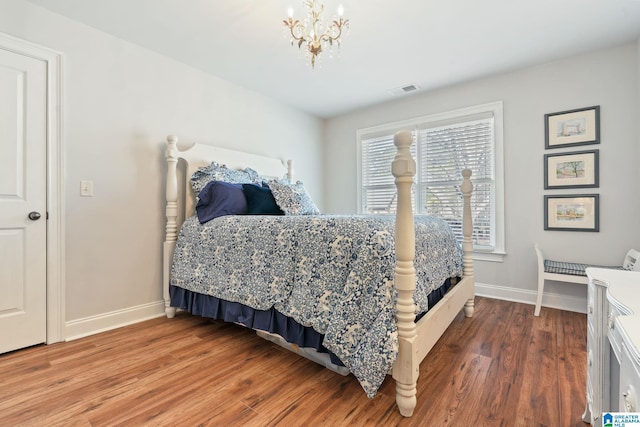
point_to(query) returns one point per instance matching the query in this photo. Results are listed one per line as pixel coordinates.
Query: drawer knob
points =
(630, 400)
(611, 321)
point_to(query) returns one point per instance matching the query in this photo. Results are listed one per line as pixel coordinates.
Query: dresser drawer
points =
(629, 382)
(591, 305)
(613, 330)
(592, 370)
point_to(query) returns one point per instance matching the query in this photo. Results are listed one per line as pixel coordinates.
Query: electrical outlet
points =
(86, 188)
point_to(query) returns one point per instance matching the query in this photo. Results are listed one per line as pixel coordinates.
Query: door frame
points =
(55, 181)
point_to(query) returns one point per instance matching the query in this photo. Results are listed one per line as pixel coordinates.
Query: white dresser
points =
(613, 343)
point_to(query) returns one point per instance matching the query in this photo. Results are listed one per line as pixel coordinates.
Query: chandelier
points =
(312, 32)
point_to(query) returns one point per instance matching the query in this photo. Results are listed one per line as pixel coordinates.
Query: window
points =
(444, 145)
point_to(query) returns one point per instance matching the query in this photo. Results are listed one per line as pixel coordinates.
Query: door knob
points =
(34, 215)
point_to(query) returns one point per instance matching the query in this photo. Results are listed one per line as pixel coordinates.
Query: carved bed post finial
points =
(406, 367)
(172, 188)
(171, 212)
(467, 229)
(289, 170)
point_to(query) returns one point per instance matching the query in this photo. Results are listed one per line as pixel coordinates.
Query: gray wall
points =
(608, 78)
(119, 103)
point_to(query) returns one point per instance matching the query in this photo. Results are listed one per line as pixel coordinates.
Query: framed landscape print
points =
(572, 127)
(572, 212)
(571, 170)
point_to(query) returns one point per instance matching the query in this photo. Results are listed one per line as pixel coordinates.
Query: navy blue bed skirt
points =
(265, 320)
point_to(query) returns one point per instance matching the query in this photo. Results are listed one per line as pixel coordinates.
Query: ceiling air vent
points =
(404, 89)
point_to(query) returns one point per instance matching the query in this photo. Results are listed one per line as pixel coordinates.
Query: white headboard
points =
(200, 155)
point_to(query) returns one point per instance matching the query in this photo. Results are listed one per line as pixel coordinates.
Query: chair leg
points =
(539, 296)
(540, 258)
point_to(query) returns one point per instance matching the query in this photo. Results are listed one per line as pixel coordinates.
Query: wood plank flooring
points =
(503, 367)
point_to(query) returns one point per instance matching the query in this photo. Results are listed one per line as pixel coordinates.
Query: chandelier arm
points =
(293, 26)
(330, 38)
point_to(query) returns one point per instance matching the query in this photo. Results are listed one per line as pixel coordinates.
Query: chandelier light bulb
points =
(340, 10)
(290, 12)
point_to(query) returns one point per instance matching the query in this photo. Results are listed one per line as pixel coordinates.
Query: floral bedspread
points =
(331, 273)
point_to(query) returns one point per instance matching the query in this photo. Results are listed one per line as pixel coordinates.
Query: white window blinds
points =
(444, 152)
(444, 146)
(378, 184)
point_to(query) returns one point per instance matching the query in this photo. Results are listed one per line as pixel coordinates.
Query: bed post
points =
(172, 213)
(406, 367)
(467, 243)
(290, 170)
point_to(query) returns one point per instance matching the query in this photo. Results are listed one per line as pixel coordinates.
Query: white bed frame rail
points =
(415, 339)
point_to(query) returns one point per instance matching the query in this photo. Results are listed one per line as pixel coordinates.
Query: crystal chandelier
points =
(312, 32)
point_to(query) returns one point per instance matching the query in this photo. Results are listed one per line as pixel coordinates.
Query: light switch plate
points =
(86, 188)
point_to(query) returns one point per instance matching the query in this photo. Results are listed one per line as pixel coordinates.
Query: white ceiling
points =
(431, 43)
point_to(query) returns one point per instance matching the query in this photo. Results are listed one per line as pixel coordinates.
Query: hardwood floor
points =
(502, 367)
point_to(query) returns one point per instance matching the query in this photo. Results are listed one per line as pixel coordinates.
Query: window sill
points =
(494, 256)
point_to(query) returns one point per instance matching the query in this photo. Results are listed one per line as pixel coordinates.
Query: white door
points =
(23, 192)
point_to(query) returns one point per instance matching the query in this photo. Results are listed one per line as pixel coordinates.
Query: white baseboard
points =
(561, 302)
(104, 322)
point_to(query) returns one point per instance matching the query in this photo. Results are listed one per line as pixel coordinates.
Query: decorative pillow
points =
(293, 199)
(260, 200)
(219, 198)
(253, 175)
(283, 180)
(217, 172)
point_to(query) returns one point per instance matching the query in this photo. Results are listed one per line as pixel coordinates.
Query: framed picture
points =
(573, 127)
(572, 212)
(571, 170)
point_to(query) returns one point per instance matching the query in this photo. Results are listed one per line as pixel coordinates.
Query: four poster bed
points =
(348, 287)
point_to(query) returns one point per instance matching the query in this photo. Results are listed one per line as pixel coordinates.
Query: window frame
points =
(455, 116)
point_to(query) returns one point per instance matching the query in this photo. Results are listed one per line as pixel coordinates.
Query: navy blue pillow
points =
(219, 198)
(260, 201)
